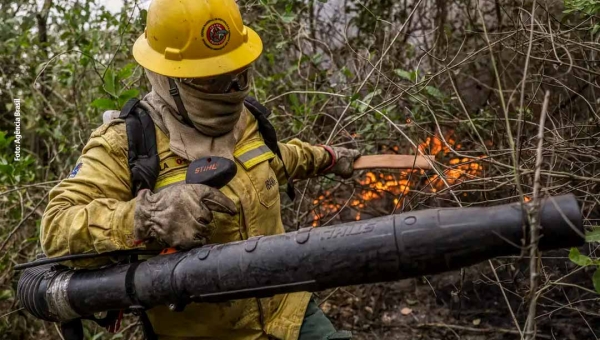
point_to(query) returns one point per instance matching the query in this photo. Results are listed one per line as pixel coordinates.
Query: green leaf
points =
(371, 95)
(593, 236)
(126, 95)
(104, 104)
(294, 100)
(346, 72)
(596, 280)
(126, 71)
(5, 295)
(143, 16)
(367, 100)
(97, 336)
(288, 17)
(316, 59)
(110, 83)
(432, 91)
(581, 260)
(5, 141)
(280, 45)
(403, 74)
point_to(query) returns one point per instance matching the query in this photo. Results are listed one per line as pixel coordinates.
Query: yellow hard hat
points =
(195, 39)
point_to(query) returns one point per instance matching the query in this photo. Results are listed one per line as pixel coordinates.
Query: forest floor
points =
(439, 307)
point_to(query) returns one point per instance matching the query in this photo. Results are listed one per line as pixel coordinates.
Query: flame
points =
(434, 145)
(459, 169)
(385, 188)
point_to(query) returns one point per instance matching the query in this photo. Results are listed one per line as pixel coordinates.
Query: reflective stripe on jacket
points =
(92, 211)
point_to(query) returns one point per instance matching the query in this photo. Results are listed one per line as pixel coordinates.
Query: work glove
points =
(342, 161)
(179, 215)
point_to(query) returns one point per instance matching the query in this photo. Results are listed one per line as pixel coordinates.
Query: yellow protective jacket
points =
(92, 211)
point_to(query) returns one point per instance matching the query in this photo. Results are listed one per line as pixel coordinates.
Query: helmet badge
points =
(215, 34)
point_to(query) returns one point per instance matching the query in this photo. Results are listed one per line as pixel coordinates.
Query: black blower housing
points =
(311, 259)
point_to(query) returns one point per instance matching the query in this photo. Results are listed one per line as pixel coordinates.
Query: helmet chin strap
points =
(174, 91)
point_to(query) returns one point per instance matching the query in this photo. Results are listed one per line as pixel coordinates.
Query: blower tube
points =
(311, 259)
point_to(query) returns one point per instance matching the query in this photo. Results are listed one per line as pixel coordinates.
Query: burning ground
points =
(386, 192)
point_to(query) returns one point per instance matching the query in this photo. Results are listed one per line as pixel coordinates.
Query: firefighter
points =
(197, 56)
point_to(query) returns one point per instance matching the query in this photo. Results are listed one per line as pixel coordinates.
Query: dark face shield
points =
(238, 81)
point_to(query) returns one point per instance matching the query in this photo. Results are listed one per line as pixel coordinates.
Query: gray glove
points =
(179, 215)
(342, 161)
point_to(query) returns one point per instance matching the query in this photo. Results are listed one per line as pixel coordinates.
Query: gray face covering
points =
(212, 114)
(215, 118)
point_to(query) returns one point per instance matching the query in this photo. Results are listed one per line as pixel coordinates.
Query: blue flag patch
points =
(75, 170)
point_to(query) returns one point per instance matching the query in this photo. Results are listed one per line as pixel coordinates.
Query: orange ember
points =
(458, 170)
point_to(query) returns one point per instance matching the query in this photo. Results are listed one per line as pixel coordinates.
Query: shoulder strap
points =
(268, 133)
(143, 155)
(255, 106)
(141, 139)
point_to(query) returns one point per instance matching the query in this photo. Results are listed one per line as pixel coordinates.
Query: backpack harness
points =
(143, 155)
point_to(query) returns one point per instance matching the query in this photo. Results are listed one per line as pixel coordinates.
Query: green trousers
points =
(316, 326)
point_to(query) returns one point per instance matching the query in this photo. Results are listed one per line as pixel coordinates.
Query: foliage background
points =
(462, 79)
